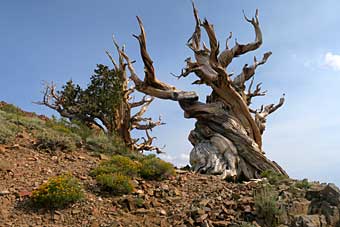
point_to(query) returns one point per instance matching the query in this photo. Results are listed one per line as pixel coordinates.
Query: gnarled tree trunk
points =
(227, 138)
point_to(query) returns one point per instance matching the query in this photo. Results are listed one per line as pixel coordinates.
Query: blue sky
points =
(59, 40)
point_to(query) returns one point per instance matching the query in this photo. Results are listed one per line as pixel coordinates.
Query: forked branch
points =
(227, 55)
(262, 114)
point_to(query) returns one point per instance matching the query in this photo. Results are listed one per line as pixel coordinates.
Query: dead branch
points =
(262, 114)
(228, 55)
(249, 72)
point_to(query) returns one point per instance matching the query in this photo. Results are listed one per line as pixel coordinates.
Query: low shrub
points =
(246, 224)
(154, 168)
(267, 206)
(7, 133)
(117, 183)
(105, 144)
(50, 140)
(303, 184)
(9, 108)
(57, 192)
(81, 130)
(117, 164)
(273, 177)
(61, 125)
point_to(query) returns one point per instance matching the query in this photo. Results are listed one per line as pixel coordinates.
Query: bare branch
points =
(145, 99)
(256, 92)
(262, 114)
(195, 40)
(112, 60)
(227, 55)
(147, 144)
(249, 72)
(142, 110)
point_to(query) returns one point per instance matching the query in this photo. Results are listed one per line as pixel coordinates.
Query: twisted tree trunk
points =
(227, 138)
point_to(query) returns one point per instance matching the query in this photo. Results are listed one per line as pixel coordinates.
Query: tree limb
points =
(228, 55)
(262, 114)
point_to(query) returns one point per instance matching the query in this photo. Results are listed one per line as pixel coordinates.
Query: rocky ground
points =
(187, 199)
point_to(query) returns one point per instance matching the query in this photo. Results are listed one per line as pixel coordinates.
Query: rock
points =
(4, 192)
(104, 157)
(309, 221)
(129, 203)
(5, 166)
(331, 213)
(314, 193)
(165, 187)
(162, 212)
(76, 211)
(204, 202)
(331, 194)
(201, 218)
(94, 224)
(24, 193)
(15, 146)
(299, 207)
(221, 223)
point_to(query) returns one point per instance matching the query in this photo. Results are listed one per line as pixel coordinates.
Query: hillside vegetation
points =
(57, 173)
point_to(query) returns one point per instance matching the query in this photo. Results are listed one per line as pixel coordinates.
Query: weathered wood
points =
(227, 138)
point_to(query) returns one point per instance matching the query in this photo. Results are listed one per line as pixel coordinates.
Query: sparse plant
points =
(103, 143)
(9, 108)
(154, 168)
(50, 140)
(117, 183)
(60, 125)
(58, 192)
(7, 130)
(273, 177)
(139, 202)
(303, 184)
(246, 224)
(267, 206)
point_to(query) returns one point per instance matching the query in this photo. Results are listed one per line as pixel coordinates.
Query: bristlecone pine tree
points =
(106, 104)
(227, 138)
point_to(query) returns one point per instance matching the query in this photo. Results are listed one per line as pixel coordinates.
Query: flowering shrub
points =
(58, 192)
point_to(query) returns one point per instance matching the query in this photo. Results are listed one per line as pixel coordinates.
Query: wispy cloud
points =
(332, 61)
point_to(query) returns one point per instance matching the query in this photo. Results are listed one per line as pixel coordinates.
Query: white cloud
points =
(332, 61)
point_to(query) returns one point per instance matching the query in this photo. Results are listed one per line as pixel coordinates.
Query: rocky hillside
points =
(183, 199)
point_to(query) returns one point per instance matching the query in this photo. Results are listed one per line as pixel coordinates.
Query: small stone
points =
(204, 202)
(2, 150)
(83, 177)
(76, 211)
(5, 192)
(5, 165)
(104, 157)
(165, 187)
(94, 224)
(15, 146)
(162, 212)
(25, 193)
(139, 191)
(202, 218)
